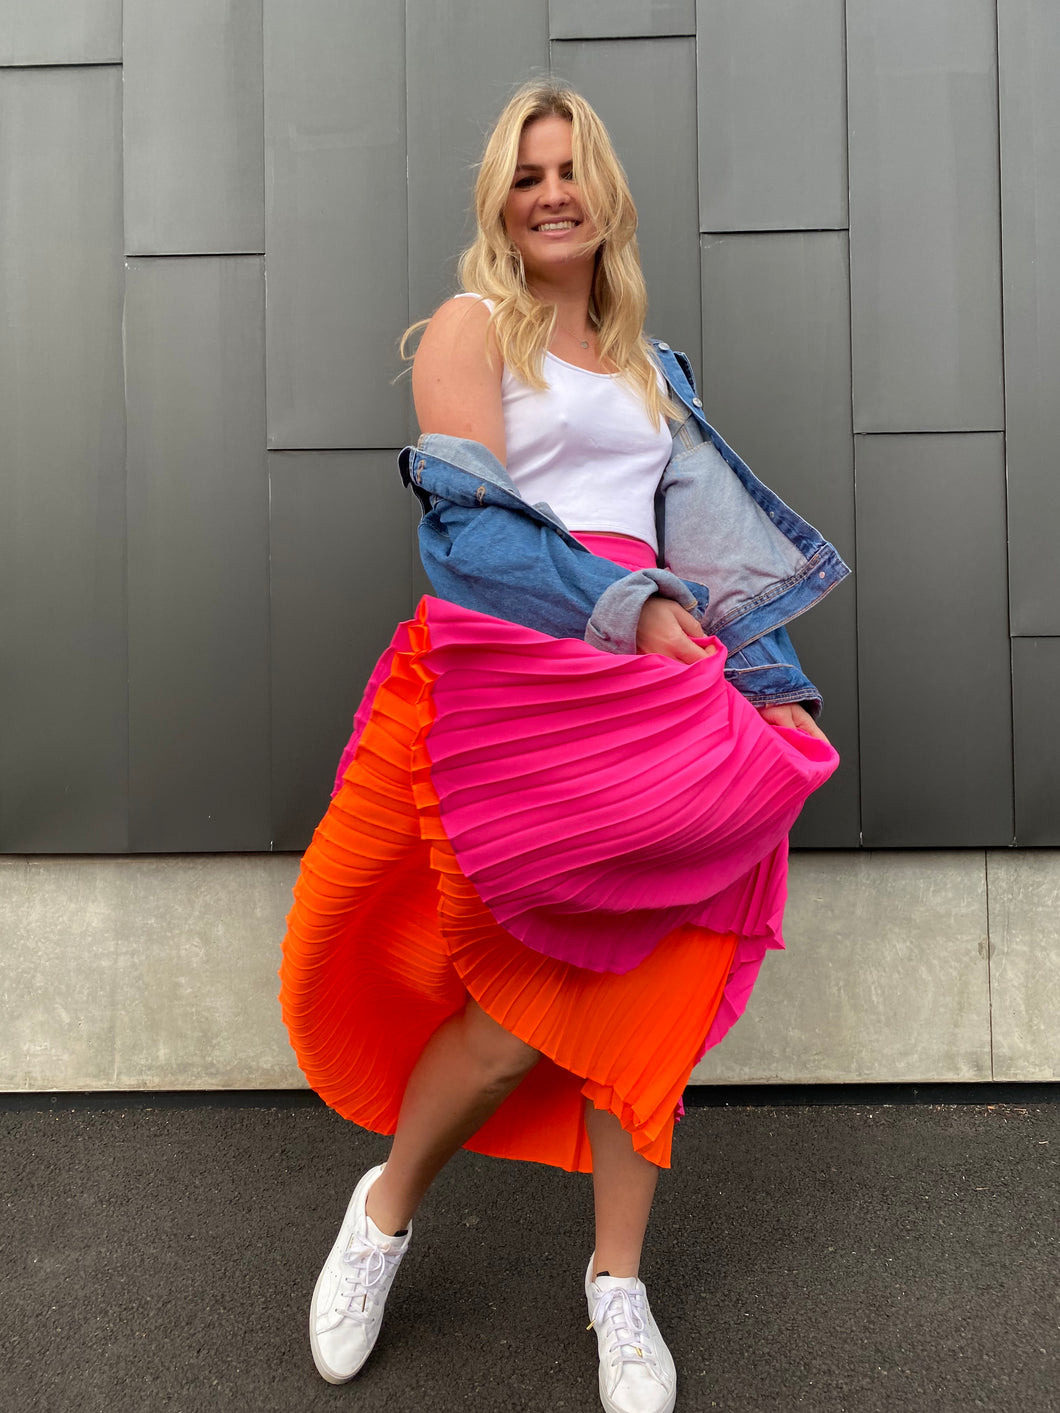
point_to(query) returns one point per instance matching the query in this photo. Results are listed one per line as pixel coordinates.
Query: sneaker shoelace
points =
(367, 1268)
(623, 1317)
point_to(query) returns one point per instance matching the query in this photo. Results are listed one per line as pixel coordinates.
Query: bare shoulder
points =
(458, 327)
(456, 376)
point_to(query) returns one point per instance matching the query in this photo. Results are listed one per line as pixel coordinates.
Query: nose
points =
(553, 190)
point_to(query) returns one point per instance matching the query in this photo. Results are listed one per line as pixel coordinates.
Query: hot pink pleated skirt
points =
(593, 846)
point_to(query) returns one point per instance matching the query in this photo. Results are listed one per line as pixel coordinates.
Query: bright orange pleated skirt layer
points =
(387, 938)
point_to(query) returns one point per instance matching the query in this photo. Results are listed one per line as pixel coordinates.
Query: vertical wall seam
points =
(1004, 430)
(266, 462)
(125, 461)
(853, 437)
(125, 476)
(703, 391)
(989, 963)
(409, 404)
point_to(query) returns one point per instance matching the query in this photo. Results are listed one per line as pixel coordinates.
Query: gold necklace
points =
(584, 342)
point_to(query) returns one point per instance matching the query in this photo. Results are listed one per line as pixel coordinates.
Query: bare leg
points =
(467, 1068)
(623, 1188)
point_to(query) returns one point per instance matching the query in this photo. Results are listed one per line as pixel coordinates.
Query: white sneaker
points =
(347, 1310)
(637, 1373)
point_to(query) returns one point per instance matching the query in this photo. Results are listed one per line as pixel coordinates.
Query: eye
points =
(522, 183)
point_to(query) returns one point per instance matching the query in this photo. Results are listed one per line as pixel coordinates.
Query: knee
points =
(501, 1058)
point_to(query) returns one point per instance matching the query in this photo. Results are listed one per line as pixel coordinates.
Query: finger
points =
(687, 623)
(682, 649)
(800, 717)
(803, 721)
(812, 729)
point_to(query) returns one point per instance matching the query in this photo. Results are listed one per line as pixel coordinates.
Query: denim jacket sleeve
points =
(764, 564)
(488, 550)
(768, 672)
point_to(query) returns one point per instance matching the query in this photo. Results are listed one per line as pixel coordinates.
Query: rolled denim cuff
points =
(774, 686)
(612, 626)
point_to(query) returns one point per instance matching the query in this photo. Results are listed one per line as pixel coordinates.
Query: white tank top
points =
(585, 446)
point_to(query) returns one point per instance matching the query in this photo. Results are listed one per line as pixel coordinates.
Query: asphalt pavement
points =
(849, 1257)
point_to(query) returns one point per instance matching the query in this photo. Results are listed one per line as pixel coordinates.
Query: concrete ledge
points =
(160, 973)
(147, 972)
(1025, 962)
(885, 977)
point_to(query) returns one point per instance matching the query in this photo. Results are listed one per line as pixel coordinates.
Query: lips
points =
(552, 227)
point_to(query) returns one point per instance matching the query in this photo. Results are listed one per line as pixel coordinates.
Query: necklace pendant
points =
(584, 343)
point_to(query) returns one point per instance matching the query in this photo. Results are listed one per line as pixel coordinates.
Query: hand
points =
(793, 715)
(667, 628)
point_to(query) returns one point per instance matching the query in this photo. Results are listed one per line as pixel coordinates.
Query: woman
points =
(557, 850)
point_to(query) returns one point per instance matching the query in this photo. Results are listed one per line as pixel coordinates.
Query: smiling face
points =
(543, 214)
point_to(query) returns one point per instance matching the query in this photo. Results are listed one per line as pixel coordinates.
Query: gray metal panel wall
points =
(1035, 693)
(924, 239)
(643, 88)
(1029, 41)
(936, 720)
(481, 51)
(58, 32)
(358, 88)
(63, 754)
(193, 137)
(776, 312)
(340, 579)
(772, 139)
(198, 555)
(336, 214)
(620, 19)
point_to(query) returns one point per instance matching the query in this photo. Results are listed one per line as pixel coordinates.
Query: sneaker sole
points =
(668, 1407)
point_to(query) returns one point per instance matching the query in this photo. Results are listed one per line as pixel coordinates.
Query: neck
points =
(571, 298)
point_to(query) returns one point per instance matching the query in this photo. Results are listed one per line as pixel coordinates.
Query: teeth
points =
(557, 225)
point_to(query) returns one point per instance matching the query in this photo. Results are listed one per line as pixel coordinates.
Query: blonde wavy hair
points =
(492, 265)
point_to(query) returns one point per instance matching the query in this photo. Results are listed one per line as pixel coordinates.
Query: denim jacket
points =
(740, 560)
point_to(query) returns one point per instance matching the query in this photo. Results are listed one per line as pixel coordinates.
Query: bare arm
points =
(457, 392)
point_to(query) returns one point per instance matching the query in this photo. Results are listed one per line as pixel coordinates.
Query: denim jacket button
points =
(697, 402)
(665, 347)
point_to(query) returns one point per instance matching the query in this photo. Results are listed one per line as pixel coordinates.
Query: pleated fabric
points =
(459, 856)
(638, 793)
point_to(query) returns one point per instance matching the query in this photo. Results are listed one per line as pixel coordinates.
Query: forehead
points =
(545, 141)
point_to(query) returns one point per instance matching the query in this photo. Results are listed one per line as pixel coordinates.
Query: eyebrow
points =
(533, 167)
